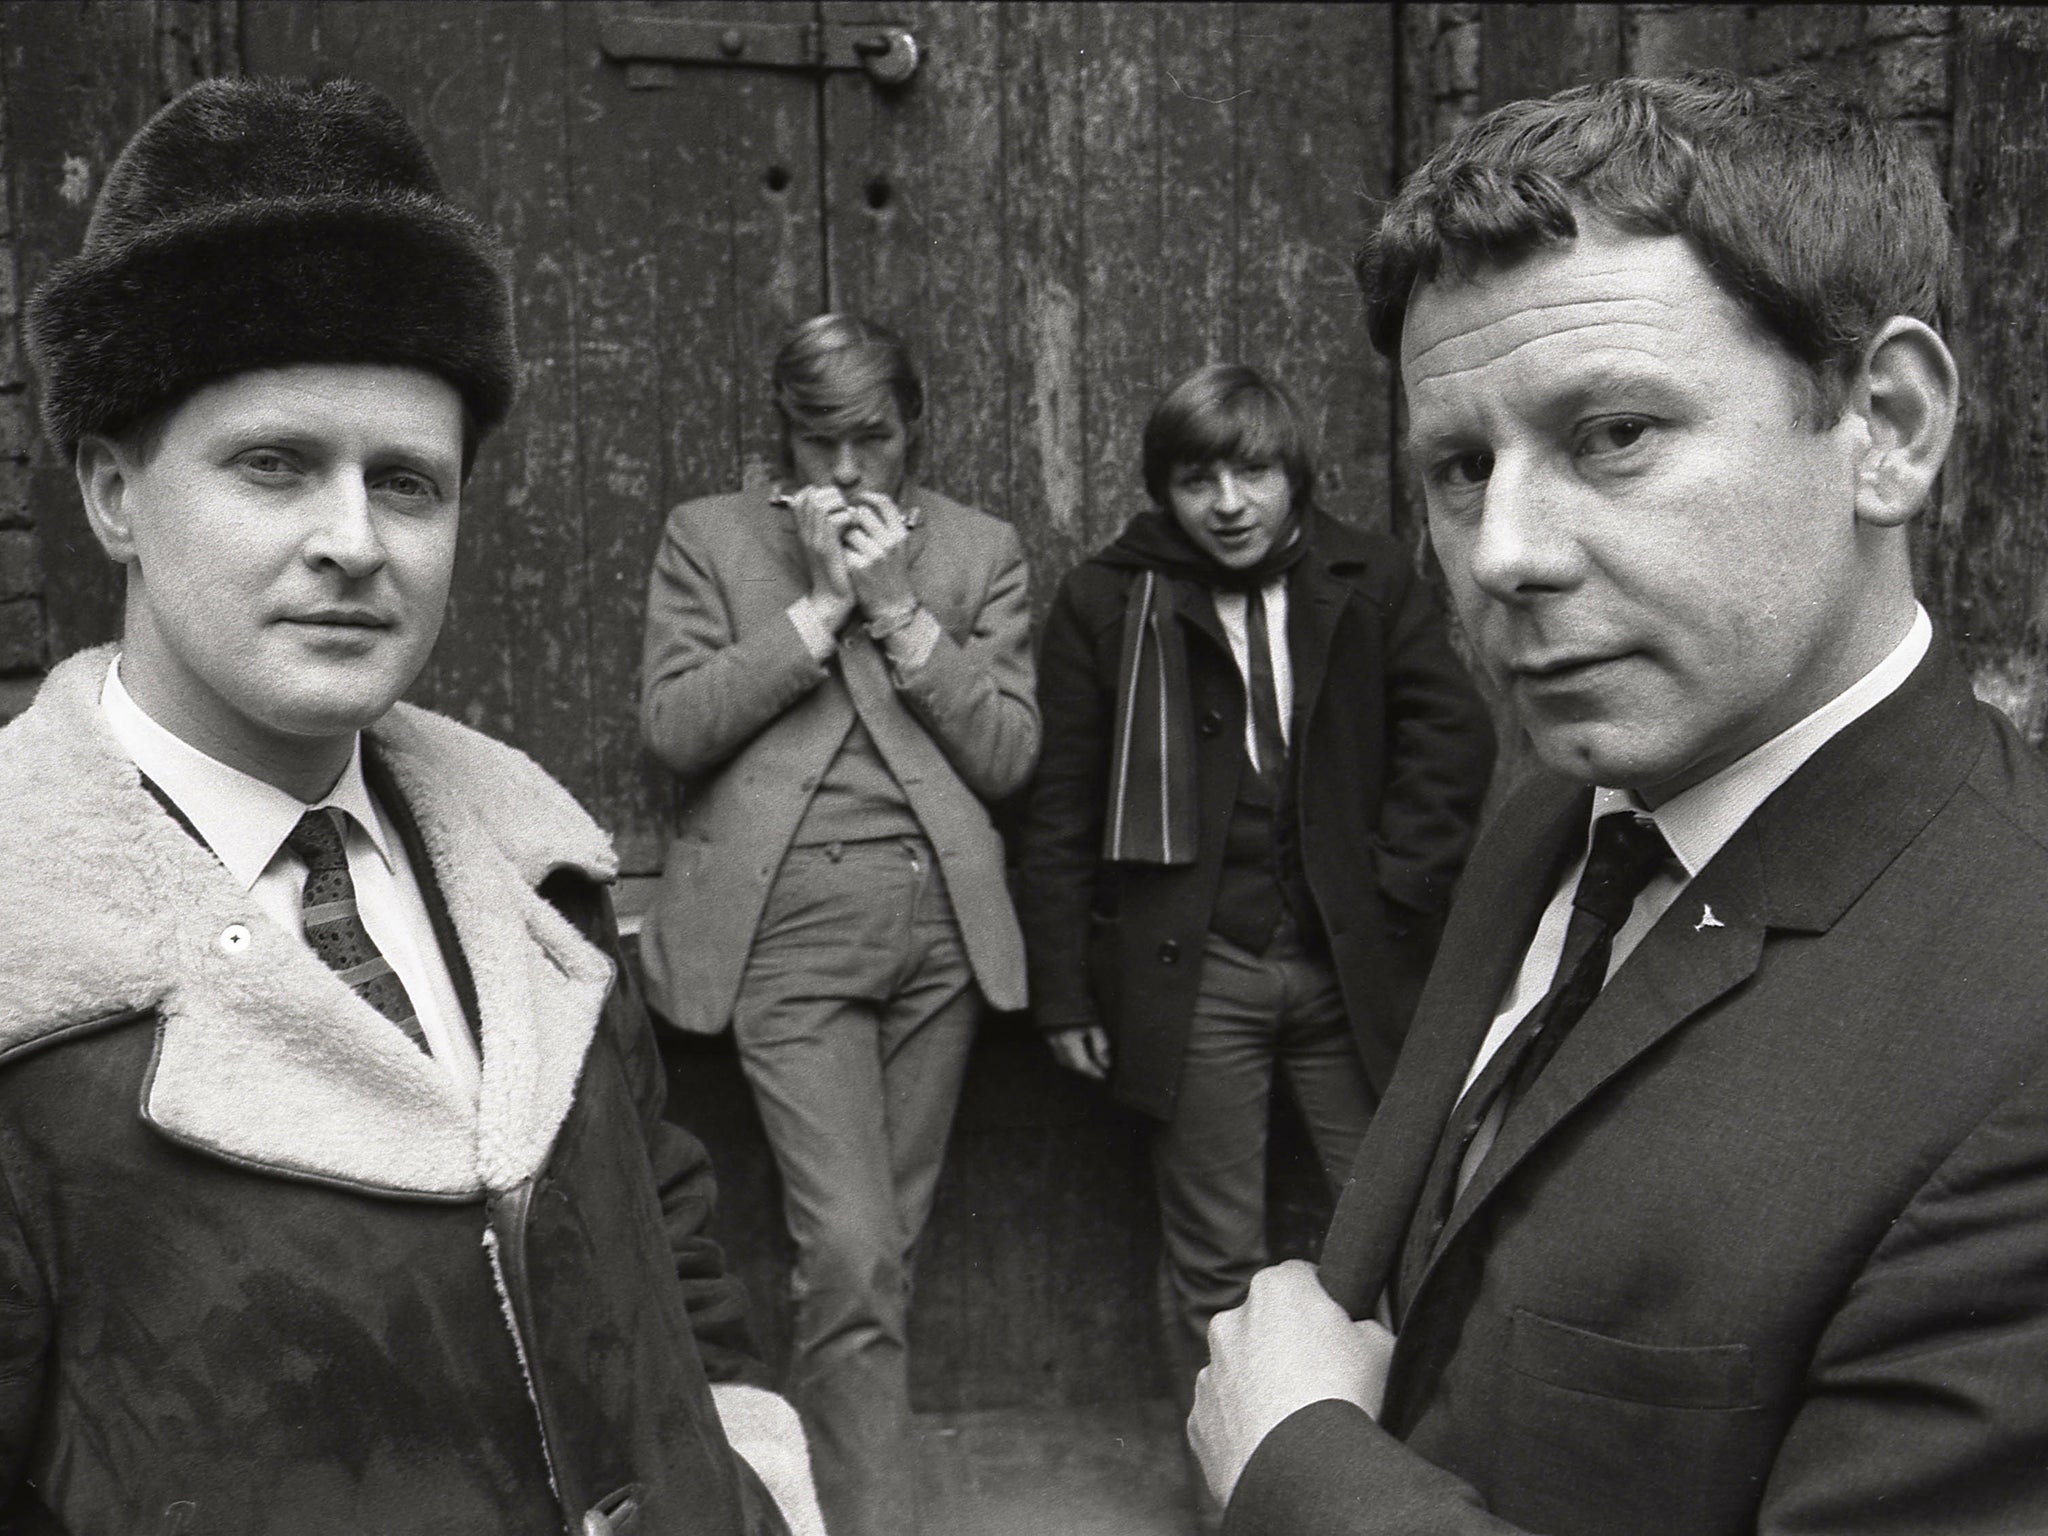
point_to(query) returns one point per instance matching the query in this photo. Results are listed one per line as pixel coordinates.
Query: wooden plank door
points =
(1069, 206)
(1075, 203)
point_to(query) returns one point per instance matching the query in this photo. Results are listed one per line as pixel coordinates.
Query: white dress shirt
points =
(1696, 824)
(1233, 609)
(245, 822)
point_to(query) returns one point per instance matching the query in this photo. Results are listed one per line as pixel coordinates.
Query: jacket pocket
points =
(1591, 1433)
(1655, 1375)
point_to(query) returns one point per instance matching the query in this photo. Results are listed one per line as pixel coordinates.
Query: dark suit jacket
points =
(1766, 1248)
(1392, 754)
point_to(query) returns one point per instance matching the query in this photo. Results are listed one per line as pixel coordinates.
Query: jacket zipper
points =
(507, 1250)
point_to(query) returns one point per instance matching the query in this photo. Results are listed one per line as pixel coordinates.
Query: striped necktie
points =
(335, 929)
(1263, 690)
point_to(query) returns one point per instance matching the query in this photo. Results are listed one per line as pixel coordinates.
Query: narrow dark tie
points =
(1627, 851)
(1265, 694)
(334, 927)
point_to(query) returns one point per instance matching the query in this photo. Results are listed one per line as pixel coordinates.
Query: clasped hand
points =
(1289, 1345)
(858, 552)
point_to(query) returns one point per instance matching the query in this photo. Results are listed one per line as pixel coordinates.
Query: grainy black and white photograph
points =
(1022, 768)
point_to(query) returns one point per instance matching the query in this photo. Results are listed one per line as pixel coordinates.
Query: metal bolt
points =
(732, 42)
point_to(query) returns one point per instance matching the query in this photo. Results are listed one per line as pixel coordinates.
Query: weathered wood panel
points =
(514, 615)
(1045, 277)
(688, 264)
(1316, 154)
(508, 662)
(1192, 237)
(914, 199)
(1665, 39)
(1990, 557)
(1158, 160)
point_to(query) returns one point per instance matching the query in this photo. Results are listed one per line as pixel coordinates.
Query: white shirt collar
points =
(244, 820)
(1698, 821)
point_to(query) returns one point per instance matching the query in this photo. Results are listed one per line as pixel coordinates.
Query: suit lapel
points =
(920, 536)
(1503, 893)
(775, 528)
(866, 671)
(1797, 864)
(873, 695)
(1312, 614)
(1681, 966)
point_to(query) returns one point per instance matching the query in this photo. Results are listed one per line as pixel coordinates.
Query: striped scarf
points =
(1152, 771)
(1152, 815)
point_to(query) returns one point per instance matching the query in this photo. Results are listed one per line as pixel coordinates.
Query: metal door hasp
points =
(889, 55)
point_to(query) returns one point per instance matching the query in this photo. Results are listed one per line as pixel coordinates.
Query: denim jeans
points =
(853, 1022)
(1253, 1014)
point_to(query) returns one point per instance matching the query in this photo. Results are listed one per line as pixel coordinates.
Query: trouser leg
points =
(809, 1028)
(854, 1024)
(1209, 1159)
(1319, 1054)
(927, 1031)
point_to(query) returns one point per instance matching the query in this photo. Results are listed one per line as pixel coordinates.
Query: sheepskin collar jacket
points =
(262, 1269)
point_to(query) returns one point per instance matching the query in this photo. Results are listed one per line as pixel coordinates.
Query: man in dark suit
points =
(1711, 1191)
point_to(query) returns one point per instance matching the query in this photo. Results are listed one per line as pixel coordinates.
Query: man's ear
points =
(1908, 392)
(105, 477)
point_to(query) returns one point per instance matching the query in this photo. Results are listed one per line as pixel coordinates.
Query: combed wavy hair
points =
(1820, 219)
(834, 371)
(1226, 411)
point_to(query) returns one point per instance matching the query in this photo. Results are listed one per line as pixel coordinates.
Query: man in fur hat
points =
(335, 1193)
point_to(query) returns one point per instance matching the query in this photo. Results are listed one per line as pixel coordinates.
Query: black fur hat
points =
(256, 223)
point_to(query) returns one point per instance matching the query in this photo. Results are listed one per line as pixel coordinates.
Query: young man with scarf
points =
(1261, 771)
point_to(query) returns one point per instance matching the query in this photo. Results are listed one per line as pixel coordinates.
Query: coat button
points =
(1212, 722)
(1169, 952)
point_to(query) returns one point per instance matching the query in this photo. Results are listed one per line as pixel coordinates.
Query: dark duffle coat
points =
(1391, 752)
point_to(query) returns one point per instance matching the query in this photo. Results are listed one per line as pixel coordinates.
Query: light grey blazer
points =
(730, 699)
